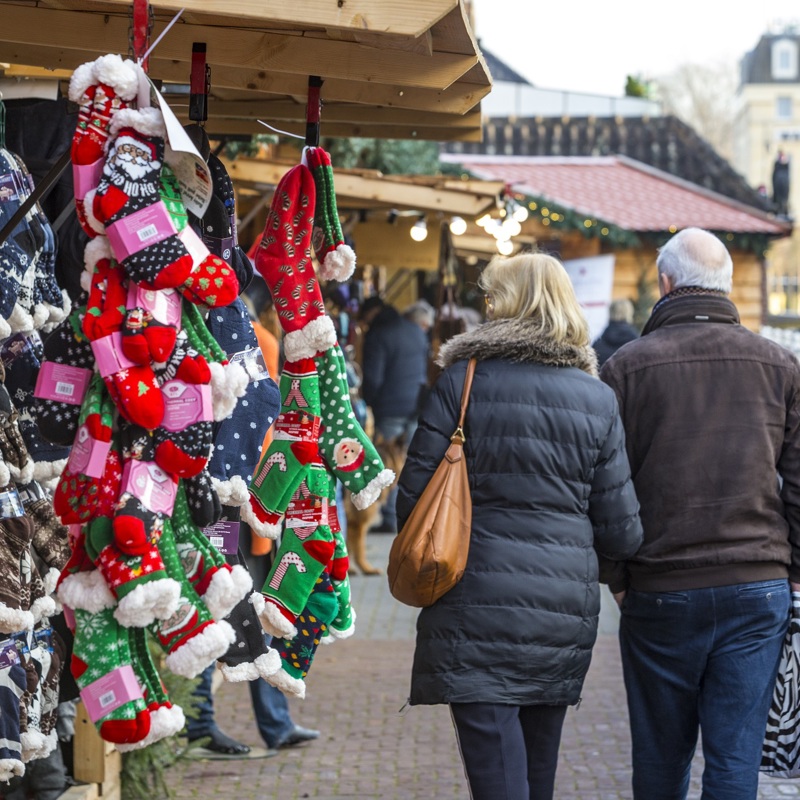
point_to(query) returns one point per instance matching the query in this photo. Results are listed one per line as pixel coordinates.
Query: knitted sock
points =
(166, 719)
(13, 451)
(15, 539)
(202, 498)
(151, 324)
(102, 665)
(81, 585)
(140, 231)
(51, 680)
(13, 682)
(190, 637)
(342, 625)
(298, 653)
(293, 447)
(249, 657)
(56, 299)
(31, 737)
(347, 450)
(50, 537)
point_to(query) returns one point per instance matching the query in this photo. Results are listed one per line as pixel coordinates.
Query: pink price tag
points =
(149, 483)
(108, 693)
(164, 305)
(194, 244)
(141, 229)
(185, 404)
(88, 455)
(69, 617)
(86, 177)
(62, 382)
(108, 355)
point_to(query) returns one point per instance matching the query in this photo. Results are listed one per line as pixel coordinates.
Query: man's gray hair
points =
(621, 311)
(694, 257)
(422, 313)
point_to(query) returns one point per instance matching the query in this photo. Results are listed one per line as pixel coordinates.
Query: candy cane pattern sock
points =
(101, 652)
(293, 447)
(190, 637)
(346, 449)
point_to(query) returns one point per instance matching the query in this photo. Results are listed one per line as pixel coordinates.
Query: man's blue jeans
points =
(707, 659)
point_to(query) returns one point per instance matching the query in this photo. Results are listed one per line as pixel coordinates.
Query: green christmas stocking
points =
(347, 450)
(140, 583)
(343, 624)
(166, 719)
(293, 447)
(306, 549)
(220, 585)
(312, 626)
(190, 637)
(102, 667)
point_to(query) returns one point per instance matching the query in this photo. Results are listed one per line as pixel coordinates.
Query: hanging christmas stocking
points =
(81, 585)
(337, 259)
(190, 637)
(13, 682)
(102, 665)
(342, 626)
(152, 320)
(249, 657)
(284, 260)
(294, 446)
(166, 719)
(203, 499)
(15, 540)
(298, 652)
(346, 449)
(306, 549)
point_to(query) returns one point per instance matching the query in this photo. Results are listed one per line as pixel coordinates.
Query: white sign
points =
(593, 279)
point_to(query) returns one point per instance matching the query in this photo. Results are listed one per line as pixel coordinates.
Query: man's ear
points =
(664, 284)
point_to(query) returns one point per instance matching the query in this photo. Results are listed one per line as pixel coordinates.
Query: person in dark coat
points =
(712, 416)
(618, 332)
(509, 646)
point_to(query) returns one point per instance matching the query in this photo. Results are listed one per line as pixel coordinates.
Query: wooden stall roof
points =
(392, 69)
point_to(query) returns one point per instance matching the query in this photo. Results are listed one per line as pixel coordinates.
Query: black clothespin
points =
(200, 81)
(313, 109)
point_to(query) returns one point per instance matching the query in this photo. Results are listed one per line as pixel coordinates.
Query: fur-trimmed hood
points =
(516, 340)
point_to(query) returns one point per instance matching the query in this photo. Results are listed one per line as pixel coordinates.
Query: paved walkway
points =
(369, 748)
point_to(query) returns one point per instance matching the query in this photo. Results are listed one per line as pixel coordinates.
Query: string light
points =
(458, 226)
(419, 230)
(505, 247)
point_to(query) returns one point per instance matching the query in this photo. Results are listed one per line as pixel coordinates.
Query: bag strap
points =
(459, 432)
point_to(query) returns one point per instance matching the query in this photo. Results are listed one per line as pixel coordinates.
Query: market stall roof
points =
(622, 192)
(394, 69)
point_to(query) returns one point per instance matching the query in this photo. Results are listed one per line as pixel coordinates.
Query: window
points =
(784, 59)
(783, 107)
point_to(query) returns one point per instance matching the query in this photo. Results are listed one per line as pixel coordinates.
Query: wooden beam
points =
(458, 98)
(421, 45)
(239, 48)
(399, 17)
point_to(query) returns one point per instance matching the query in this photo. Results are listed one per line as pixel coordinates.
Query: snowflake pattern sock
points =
(15, 540)
(102, 665)
(202, 498)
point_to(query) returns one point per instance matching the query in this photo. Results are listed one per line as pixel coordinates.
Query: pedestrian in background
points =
(618, 332)
(712, 417)
(509, 646)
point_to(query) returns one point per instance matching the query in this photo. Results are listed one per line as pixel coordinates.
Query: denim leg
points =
(738, 685)
(271, 711)
(204, 723)
(664, 641)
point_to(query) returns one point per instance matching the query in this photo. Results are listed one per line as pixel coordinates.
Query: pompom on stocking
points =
(293, 447)
(284, 260)
(337, 259)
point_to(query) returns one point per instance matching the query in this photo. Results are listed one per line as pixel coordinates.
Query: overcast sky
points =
(591, 47)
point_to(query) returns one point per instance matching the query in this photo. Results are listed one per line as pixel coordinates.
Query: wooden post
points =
(95, 761)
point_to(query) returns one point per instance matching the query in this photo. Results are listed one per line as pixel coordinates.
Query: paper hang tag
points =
(224, 535)
(183, 158)
(252, 361)
(11, 504)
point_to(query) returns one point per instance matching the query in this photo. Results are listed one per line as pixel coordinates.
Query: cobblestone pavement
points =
(369, 748)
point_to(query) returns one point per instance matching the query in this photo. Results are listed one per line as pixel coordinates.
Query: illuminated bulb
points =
(511, 227)
(483, 221)
(419, 230)
(458, 226)
(520, 213)
(505, 247)
(496, 229)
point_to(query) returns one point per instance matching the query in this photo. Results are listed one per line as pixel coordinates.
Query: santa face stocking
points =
(220, 585)
(347, 450)
(166, 719)
(306, 549)
(284, 260)
(294, 446)
(298, 653)
(102, 665)
(13, 682)
(190, 637)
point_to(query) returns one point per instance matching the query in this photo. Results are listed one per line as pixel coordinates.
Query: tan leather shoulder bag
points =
(429, 554)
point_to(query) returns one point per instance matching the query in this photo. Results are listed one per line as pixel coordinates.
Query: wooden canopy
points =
(406, 69)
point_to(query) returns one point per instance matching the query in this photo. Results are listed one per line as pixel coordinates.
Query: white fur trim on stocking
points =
(20, 320)
(339, 264)
(82, 78)
(95, 250)
(14, 620)
(5, 474)
(57, 314)
(334, 634)
(50, 580)
(228, 384)
(9, 767)
(146, 121)
(86, 591)
(49, 745)
(23, 474)
(258, 602)
(164, 722)
(316, 336)
(266, 530)
(5, 329)
(88, 211)
(41, 313)
(42, 607)
(195, 654)
(148, 602)
(226, 589)
(32, 742)
(47, 470)
(275, 624)
(372, 491)
(262, 667)
(120, 75)
(232, 492)
(287, 684)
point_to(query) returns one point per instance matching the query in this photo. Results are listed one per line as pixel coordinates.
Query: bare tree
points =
(704, 97)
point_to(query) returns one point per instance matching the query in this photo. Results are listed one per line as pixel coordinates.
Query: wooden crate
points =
(96, 762)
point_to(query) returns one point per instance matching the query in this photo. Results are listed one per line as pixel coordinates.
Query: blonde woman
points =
(509, 647)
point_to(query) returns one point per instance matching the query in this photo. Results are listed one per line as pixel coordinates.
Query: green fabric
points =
(344, 616)
(170, 192)
(146, 673)
(200, 337)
